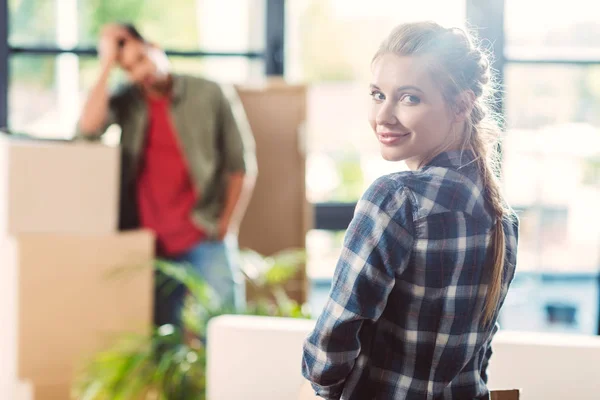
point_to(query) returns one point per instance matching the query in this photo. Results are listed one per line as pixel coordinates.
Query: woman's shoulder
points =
(390, 194)
(427, 191)
(408, 182)
(386, 186)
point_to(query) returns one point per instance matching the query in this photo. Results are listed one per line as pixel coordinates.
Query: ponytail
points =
(482, 137)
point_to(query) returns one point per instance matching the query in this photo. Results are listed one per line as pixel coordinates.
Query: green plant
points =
(267, 278)
(170, 363)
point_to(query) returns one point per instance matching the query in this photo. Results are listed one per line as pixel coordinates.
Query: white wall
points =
(259, 358)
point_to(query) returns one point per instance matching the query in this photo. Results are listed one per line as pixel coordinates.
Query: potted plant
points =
(170, 363)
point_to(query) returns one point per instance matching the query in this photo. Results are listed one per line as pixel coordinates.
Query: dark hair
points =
(133, 32)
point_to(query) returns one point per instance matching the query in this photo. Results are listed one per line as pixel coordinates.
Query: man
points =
(188, 164)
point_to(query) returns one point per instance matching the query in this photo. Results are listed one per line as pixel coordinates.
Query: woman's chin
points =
(390, 155)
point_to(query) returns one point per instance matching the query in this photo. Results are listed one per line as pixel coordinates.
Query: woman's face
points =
(408, 113)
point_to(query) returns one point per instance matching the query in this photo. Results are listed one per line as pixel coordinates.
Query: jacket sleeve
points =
(238, 144)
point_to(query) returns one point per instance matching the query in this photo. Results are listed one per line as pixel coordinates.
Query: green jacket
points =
(214, 134)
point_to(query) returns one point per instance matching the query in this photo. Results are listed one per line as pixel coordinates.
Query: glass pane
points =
(188, 24)
(146, 15)
(552, 303)
(33, 99)
(32, 22)
(185, 25)
(333, 40)
(550, 95)
(551, 165)
(220, 69)
(233, 25)
(558, 30)
(46, 93)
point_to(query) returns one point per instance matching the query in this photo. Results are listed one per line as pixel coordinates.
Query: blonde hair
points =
(458, 64)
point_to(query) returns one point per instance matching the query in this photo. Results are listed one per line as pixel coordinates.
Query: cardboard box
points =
(513, 394)
(76, 294)
(278, 216)
(52, 392)
(53, 187)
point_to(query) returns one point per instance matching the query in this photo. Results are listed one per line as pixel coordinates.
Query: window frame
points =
(487, 15)
(273, 54)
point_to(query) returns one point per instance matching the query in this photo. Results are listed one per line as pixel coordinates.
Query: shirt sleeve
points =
(237, 139)
(376, 251)
(488, 354)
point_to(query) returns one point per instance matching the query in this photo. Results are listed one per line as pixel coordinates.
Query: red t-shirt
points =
(165, 192)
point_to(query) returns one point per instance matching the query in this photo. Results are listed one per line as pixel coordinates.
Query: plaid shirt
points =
(403, 318)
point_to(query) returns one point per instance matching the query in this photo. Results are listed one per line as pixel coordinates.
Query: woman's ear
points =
(465, 102)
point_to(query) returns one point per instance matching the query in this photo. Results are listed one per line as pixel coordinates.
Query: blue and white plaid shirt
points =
(404, 315)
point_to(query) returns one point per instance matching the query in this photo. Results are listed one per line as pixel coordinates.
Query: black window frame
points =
(273, 54)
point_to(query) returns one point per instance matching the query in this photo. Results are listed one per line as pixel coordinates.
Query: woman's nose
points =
(386, 115)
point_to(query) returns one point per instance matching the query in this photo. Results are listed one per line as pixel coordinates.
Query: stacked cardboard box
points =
(57, 187)
(61, 299)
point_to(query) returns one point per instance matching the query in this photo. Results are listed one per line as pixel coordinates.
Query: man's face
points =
(136, 58)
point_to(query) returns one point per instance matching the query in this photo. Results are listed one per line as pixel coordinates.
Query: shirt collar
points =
(455, 159)
(178, 89)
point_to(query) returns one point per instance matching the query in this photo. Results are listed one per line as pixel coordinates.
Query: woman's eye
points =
(410, 99)
(377, 95)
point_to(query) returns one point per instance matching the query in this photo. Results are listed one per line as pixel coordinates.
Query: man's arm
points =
(237, 197)
(96, 115)
(239, 160)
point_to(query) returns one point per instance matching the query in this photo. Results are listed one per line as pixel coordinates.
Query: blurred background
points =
(547, 57)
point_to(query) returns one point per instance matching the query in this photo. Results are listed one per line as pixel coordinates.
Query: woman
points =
(430, 253)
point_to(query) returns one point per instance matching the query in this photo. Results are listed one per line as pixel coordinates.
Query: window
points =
(552, 144)
(551, 147)
(562, 30)
(47, 86)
